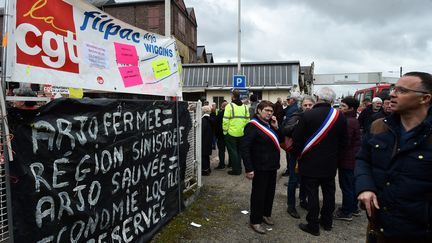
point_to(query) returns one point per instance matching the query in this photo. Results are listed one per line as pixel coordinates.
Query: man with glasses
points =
(394, 166)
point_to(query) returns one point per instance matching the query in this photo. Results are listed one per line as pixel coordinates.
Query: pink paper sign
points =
(131, 76)
(126, 54)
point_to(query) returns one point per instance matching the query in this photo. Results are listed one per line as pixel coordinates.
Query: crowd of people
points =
(382, 156)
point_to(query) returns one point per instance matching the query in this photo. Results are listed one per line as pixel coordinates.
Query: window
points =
(193, 34)
(218, 100)
(181, 23)
(369, 94)
(153, 15)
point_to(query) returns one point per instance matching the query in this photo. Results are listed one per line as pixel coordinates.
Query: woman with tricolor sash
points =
(260, 151)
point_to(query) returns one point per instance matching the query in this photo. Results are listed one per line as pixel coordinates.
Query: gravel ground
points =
(235, 191)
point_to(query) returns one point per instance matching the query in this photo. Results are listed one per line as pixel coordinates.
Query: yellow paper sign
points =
(76, 93)
(161, 68)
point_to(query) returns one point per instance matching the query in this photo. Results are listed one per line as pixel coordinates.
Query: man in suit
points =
(318, 155)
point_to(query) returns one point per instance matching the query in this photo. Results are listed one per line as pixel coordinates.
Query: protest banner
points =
(98, 170)
(74, 44)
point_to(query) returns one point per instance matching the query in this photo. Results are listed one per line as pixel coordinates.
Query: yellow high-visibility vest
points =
(235, 119)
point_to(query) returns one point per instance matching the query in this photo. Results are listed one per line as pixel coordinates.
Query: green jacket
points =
(235, 119)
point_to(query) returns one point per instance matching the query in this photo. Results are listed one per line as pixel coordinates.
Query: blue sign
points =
(239, 81)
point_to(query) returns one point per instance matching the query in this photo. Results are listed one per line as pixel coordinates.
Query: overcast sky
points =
(338, 35)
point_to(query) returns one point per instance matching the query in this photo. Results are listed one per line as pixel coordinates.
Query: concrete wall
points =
(348, 78)
(270, 95)
(212, 93)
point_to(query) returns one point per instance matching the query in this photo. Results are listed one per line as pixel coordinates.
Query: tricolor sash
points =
(322, 131)
(269, 132)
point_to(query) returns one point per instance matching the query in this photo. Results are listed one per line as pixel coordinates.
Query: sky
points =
(339, 36)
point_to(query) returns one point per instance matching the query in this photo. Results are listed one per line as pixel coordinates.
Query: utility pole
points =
(167, 25)
(239, 40)
(400, 72)
(167, 18)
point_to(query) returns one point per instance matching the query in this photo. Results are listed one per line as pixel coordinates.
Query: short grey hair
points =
(308, 97)
(326, 95)
(26, 92)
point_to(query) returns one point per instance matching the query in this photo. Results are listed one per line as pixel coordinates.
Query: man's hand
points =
(369, 199)
(250, 175)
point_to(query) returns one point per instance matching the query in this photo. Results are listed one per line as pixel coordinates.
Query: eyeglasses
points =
(402, 90)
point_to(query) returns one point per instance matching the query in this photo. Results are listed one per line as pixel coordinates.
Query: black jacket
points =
(401, 177)
(218, 124)
(207, 135)
(365, 118)
(258, 151)
(321, 161)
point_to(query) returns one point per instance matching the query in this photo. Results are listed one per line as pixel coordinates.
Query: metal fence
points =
(193, 160)
(4, 227)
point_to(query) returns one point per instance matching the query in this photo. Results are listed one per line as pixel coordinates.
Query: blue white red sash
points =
(269, 132)
(322, 131)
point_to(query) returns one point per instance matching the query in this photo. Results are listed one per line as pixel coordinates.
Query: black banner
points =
(97, 170)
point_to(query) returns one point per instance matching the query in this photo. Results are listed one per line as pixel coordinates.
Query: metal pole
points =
(400, 72)
(167, 25)
(7, 148)
(239, 39)
(167, 18)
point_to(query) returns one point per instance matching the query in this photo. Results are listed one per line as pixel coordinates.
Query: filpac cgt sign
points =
(71, 43)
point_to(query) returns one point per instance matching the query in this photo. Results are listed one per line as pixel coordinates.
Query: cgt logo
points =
(45, 35)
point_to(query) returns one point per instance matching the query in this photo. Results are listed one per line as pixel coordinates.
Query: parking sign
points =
(239, 81)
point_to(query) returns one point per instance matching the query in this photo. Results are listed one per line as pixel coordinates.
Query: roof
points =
(210, 58)
(259, 74)
(200, 51)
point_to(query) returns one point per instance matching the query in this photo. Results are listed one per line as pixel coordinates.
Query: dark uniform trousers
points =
(263, 192)
(328, 187)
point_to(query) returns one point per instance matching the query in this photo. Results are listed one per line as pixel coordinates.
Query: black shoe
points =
(219, 167)
(258, 228)
(286, 173)
(205, 173)
(339, 215)
(231, 172)
(303, 204)
(306, 229)
(356, 213)
(268, 220)
(326, 227)
(293, 212)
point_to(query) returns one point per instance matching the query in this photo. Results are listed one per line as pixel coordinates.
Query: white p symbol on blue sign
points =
(239, 81)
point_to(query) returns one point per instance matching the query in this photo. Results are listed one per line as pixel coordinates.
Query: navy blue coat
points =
(400, 176)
